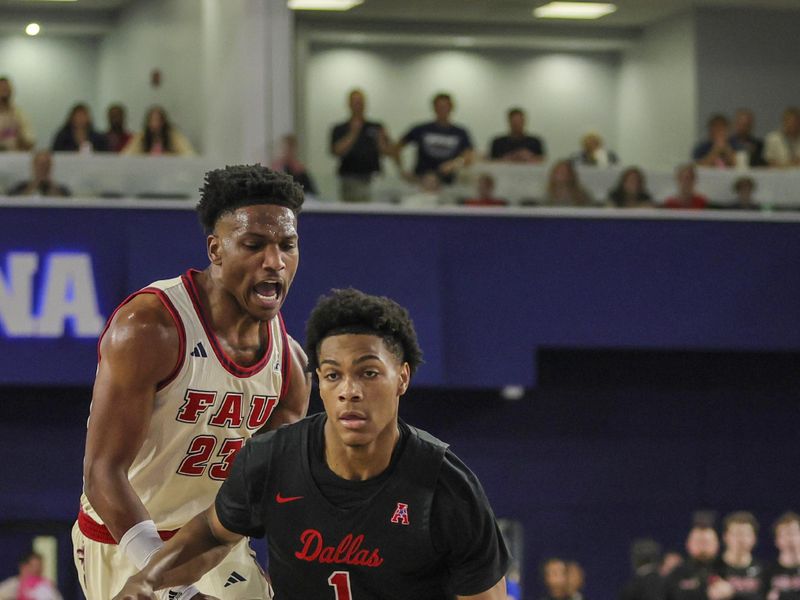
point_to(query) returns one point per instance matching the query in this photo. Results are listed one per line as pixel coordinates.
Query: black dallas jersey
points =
(426, 531)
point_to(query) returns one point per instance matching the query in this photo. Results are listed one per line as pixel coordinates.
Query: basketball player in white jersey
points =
(188, 369)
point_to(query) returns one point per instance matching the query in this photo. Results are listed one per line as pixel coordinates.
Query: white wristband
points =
(184, 592)
(140, 543)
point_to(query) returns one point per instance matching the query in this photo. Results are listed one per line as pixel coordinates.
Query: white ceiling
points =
(631, 13)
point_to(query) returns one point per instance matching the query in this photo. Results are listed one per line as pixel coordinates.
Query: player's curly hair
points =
(225, 190)
(353, 311)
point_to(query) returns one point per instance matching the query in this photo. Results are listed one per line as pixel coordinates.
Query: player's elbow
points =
(98, 475)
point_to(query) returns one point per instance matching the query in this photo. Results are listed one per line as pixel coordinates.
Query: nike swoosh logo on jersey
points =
(284, 499)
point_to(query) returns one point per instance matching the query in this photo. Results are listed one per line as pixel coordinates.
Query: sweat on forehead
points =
(277, 219)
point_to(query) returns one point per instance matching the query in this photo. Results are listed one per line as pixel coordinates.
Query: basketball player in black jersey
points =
(374, 508)
(739, 574)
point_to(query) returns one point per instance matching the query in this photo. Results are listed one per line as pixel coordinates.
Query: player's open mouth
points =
(268, 293)
(352, 420)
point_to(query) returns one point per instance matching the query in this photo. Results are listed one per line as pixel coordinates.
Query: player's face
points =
(256, 251)
(360, 382)
(740, 537)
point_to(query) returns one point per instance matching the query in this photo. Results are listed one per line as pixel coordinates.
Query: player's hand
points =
(136, 588)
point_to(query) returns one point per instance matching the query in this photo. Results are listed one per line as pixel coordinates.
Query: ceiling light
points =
(574, 10)
(323, 4)
(33, 29)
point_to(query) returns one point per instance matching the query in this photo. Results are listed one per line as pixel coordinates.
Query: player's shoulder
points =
(142, 320)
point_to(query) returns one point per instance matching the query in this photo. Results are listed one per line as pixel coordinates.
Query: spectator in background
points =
(554, 578)
(41, 182)
(689, 581)
(782, 579)
(78, 134)
(288, 161)
(743, 138)
(15, 130)
(593, 152)
(782, 147)
(576, 579)
(672, 559)
(428, 193)
(687, 197)
(564, 188)
(717, 150)
(631, 190)
(744, 187)
(359, 144)
(647, 582)
(442, 147)
(517, 146)
(29, 584)
(117, 136)
(158, 137)
(485, 195)
(740, 575)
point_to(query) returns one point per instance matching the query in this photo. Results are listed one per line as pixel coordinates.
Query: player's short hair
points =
(718, 119)
(354, 312)
(741, 516)
(515, 110)
(785, 519)
(225, 190)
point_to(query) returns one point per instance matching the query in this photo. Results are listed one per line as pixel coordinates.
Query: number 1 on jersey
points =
(340, 582)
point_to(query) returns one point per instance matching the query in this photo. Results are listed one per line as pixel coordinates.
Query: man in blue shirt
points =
(442, 147)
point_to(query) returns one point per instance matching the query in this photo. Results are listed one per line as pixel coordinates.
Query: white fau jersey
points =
(204, 411)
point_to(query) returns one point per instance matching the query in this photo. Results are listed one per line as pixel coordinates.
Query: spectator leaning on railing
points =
(158, 137)
(78, 133)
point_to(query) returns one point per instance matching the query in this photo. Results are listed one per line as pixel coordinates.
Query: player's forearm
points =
(188, 555)
(111, 495)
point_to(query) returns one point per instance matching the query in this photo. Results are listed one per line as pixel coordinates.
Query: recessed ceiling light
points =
(574, 10)
(33, 29)
(323, 4)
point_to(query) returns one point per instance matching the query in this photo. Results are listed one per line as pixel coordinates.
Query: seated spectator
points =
(554, 578)
(563, 187)
(647, 582)
(428, 194)
(288, 161)
(631, 190)
(717, 150)
(517, 146)
(576, 580)
(593, 152)
(29, 584)
(41, 182)
(442, 147)
(485, 195)
(782, 147)
(78, 134)
(158, 137)
(740, 575)
(743, 138)
(15, 130)
(686, 178)
(117, 136)
(744, 188)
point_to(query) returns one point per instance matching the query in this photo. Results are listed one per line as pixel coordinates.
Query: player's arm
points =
(183, 559)
(293, 406)
(497, 592)
(139, 349)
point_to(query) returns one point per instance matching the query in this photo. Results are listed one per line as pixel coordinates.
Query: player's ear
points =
(213, 247)
(405, 379)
